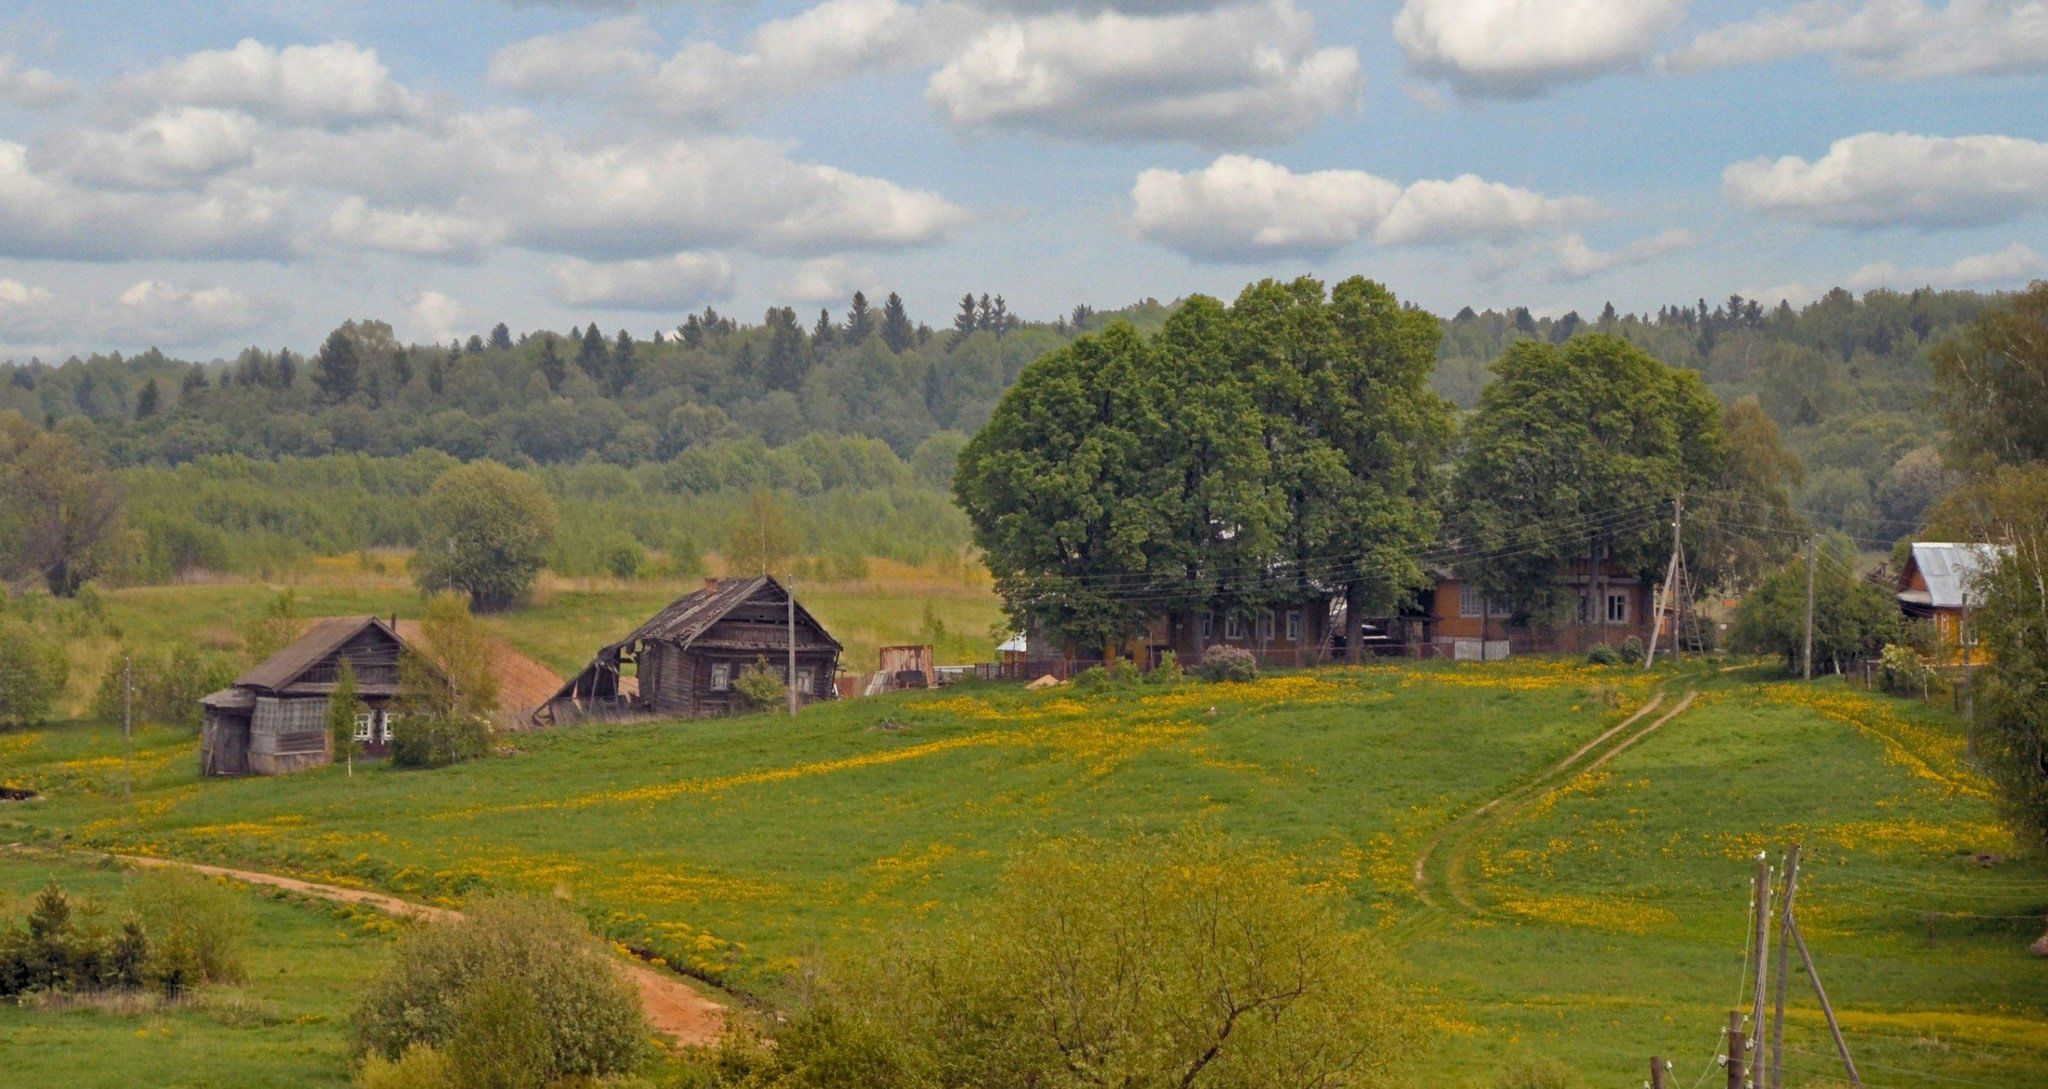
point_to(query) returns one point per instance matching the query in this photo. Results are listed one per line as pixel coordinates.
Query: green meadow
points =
(1595, 918)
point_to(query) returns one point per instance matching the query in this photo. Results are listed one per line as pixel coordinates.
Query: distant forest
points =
(650, 444)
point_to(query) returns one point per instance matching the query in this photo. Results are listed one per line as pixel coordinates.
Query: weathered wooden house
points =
(684, 660)
(274, 718)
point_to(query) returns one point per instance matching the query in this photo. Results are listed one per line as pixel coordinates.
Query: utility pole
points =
(1656, 1072)
(1812, 554)
(1827, 1009)
(1963, 637)
(127, 727)
(789, 595)
(1784, 968)
(1664, 596)
(1760, 940)
(1738, 1059)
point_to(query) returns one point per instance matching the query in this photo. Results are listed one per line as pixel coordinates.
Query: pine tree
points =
(897, 331)
(860, 321)
(338, 366)
(551, 366)
(624, 366)
(147, 404)
(501, 337)
(1607, 316)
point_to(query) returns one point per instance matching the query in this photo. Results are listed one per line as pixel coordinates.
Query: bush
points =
(623, 559)
(451, 979)
(1221, 663)
(434, 740)
(420, 1067)
(1167, 673)
(1900, 669)
(195, 922)
(1535, 1074)
(1603, 655)
(1632, 649)
(167, 686)
(32, 674)
(759, 687)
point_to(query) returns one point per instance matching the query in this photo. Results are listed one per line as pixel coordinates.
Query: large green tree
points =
(1851, 618)
(2012, 626)
(1993, 376)
(60, 509)
(487, 534)
(1573, 452)
(1747, 525)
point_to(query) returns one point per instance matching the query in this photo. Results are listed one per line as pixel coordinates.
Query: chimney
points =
(711, 583)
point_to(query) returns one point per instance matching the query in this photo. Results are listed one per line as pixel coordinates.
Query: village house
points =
(683, 660)
(1455, 620)
(1936, 586)
(274, 718)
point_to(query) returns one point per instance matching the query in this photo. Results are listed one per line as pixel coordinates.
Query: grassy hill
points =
(1596, 917)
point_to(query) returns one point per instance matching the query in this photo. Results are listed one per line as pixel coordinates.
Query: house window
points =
(805, 680)
(390, 724)
(1233, 628)
(1294, 625)
(1473, 604)
(1266, 626)
(366, 725)
(721, 676)
(1617, 608)
(1208, 626)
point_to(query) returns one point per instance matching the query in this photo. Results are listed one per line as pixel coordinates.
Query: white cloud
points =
(1242, 208)
(47, 216)
(32, 87)
(419, 233)
(679, 282)
(2012, 265)
(156, 312)
(435, 317)
(170, 149)
(826, 280)
(1894, 39)
(1877, 179)
(1521, 48)
(832, 41)
(1577, 260)
(332, 83)
(576, 60)
(27, 312)
(1249, 74)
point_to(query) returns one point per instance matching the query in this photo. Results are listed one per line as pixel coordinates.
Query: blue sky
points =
(205, 176)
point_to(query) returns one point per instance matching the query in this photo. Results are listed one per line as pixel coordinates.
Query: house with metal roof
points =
(1938, 585)
(274, 718)
(684, 659)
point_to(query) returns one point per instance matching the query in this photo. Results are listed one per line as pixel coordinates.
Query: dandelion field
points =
(1607, 914)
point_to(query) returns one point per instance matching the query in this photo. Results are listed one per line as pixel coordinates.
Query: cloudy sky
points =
(207, 174)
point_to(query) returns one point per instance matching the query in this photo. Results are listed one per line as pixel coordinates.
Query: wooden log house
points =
(274, 718)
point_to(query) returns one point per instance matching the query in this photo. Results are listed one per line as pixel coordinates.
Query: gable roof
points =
(1948, 569)
(308, 650)
(691, 615)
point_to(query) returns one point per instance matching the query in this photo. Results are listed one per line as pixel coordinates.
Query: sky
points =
(204, 176)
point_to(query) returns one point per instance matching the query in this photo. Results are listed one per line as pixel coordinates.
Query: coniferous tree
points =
(287, 371)
(338, 368)
(147, 404)
(592, 357)
(551, 366)
(624, 365)
(984, 313)
(401, 368)
(824, 334)
(897, 332)
(436, 375)
(1001, 321)
(475, 345)
(195, 380)
(860, 320)
(692, 332)
(501, 337)
(963, 322)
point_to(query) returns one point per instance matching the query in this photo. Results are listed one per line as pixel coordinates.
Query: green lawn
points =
(1612, 907)
(287, 1025)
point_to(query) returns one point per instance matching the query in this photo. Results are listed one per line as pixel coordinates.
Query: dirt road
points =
(674, 1008)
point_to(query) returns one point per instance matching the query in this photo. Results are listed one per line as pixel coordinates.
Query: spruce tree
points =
(195, 380)
(860, 321)
(501, 337)
(592, 357)
(824, 334)
(338, 367)
(287, 370)
(963, 322)
(147, 404)
(897, 331)
(551, 366)
(624, 366)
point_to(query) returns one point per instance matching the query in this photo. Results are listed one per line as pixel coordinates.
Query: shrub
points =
(1900, 669)
(1221, 663)
(167, 686)
(32, 674)
(195, 921)
(500, 1041)
(1092, 680)
(624, 558)
(759, 687)
(1168, 672)
(435, 740)
(1603, 655)
(451, 978)
(1632, 649)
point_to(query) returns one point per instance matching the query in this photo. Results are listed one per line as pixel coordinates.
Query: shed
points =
(274, 718)
(684, 659)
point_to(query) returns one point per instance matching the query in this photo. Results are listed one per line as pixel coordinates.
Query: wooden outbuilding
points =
(274, 718)
(683, 660)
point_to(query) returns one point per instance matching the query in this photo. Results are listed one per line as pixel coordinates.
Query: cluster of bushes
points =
(185, 932)
(515, 995)
(1219, 663)
(33, 669)
(760, 687)
(1901, 669)
(1629, 650)
(165, 685)
(437, 740)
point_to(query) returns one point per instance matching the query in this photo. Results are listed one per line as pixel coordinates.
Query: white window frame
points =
(806, 679)
(366, 726)
(721, 676)
(1266, 626)
(1472, 604)
(1612, 598)
(385, 719)
(1233, 628)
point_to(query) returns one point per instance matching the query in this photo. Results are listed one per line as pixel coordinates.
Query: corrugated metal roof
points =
(1950, 569)
(323, 639)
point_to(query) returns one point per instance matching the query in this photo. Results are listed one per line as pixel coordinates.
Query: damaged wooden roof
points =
(690, 616)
